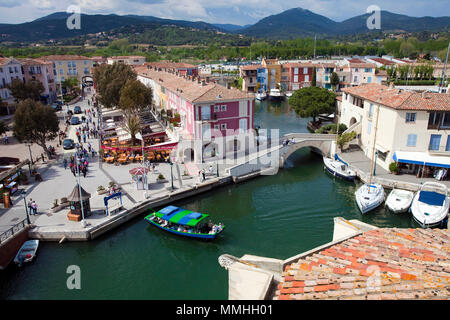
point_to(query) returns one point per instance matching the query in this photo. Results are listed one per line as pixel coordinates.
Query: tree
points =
(312, 101)
(109, 80)
(313, 80)
(132, 126)
(36, 123)
(345, 138)
(70, 84)
(26, 90)
(334, 80)
(135, 96)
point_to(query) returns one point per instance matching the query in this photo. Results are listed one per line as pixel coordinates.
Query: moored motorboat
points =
(431, 204)
(399, 201)
(275, 94)
(27, 252)
(184, 223)
(260, 95)
(339, 169)
(369, 197)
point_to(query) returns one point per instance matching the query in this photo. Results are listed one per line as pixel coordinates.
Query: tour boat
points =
(399, 201)
(275, 94)
(369, 197)
(430, 204)
(260, 96)
(27, 252)
(339, 169)
(184, 223)
(288, 94)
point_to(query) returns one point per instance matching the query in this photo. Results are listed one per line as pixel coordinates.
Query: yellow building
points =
(70, 66)
(273, 67)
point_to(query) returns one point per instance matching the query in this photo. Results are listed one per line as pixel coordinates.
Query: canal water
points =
(273, 216)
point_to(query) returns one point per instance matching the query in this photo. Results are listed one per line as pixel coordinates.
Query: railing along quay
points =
(13, 230)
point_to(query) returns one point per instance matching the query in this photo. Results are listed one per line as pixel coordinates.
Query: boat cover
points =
(180, 216)
(169, 212)
(336, 157)
(432, 198)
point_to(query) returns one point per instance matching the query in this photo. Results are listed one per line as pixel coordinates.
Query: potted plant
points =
(393, 168)
(101, 190)
(161, 178)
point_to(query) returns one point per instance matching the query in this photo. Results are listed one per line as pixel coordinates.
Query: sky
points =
(240, 12)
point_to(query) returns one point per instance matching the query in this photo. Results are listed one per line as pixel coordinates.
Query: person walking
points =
(34, 207)
(203, 174)
(65, 163)
(30, 209)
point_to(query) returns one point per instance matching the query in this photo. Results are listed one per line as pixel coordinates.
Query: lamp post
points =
(29, 144)
(26, 207)
(217, 173)
(375, 162)
(171, 175)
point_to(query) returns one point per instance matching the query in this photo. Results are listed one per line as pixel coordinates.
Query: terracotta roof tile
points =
(386, 263)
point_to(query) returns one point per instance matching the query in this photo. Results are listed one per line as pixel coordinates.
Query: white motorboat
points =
(399, 201)
(27, 252)
(288, 94)
(431, 204)
(369, 197)
(260, 96)
(275, 94)
(339, 169)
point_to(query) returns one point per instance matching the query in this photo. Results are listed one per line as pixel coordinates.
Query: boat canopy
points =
(180, 216)
(432, 198)
(422, 158)
(336, 157)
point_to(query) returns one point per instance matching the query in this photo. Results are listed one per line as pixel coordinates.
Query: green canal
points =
(274, 216)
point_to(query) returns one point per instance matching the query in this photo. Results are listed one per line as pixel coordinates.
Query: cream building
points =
(70, 66)
(130, 60)
(411, 128)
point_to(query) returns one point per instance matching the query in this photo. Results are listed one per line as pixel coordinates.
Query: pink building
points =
(40, 70)
(209, 112)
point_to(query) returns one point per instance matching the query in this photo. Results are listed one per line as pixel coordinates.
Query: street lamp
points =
(26, 207)
(375, 163)
(171, 175)
(29, 144)
(217, 169)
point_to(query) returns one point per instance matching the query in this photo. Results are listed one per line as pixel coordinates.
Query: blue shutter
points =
(435, 141)
(447, 147)
(412, 140)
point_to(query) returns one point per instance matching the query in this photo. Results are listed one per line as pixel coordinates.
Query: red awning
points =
(139, 171)
(168, 146)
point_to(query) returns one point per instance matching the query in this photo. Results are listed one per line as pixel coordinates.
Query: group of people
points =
(81, 166)
(32, 207)
(5, 139)
(287, 142)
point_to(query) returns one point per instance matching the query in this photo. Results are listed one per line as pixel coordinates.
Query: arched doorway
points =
(188, 155)
(352, 121)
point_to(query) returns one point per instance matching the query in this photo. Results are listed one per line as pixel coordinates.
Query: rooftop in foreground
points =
(388, 263)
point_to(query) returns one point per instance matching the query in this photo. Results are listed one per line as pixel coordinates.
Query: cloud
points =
(9, 3)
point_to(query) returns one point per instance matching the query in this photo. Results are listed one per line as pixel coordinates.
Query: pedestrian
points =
(84, 171)
(42, 155)
(30, 209)
(211, 170)
(153, 167)
(6, 139)
(34, 207)
(93, 153)
(203, 174)
(65, 163)
(73, 170)
(84, 138)
(89, 147)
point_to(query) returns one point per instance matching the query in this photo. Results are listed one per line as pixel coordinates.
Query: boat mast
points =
(373, 147)
(444, 71)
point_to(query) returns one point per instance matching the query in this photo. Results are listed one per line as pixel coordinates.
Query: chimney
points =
(203, 83)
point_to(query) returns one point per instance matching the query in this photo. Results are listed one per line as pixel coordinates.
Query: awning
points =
(422, 158)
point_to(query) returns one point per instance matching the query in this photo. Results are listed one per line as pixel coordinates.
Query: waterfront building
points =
(412, 128)
(210, 113)
(323, 74)
(10, 69)
(129, 60)
(249, 75)
(362, 73)
(42, 71)
(70, 66)
(273, 68)
(299, 75)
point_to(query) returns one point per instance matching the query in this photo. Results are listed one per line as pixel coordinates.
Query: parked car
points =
(77, 110)
(75, 120)
(56, 107)
(68, 144)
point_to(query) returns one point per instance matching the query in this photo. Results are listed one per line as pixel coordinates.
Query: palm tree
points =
(132, 126)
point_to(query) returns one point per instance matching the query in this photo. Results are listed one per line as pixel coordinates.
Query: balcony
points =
(209, 118)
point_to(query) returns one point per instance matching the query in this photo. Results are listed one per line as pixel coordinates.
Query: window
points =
(326, 78)
(412, 140)
(216, 108)
(369, 79)
(356, 70)
(369, 127)
(447, 146)
(61, 71)
(307, 78)
(435, 141)
(216, 126)
(223, 126)
(85, 62)
(446, 120)
(295, 70)
(370, 110)
(434, 119)
(305, 70)
(410, 117)
(295, 78)
(355, 79)
(223, 108)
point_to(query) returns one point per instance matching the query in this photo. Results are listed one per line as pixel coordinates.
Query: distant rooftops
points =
(64, 57)
(401, 99)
